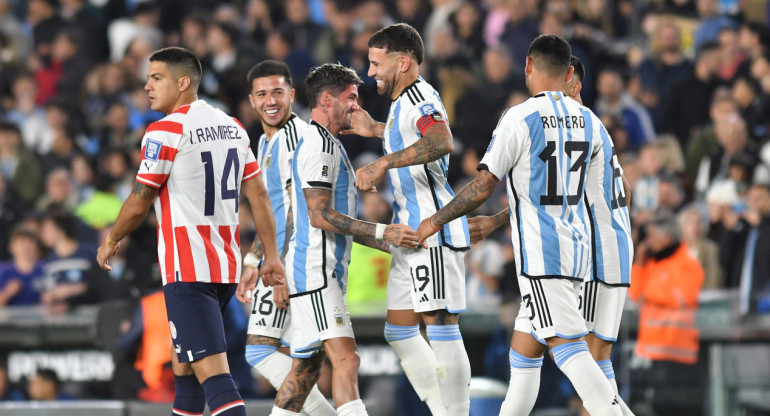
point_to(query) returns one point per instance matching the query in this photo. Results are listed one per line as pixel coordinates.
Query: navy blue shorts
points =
(195, 316)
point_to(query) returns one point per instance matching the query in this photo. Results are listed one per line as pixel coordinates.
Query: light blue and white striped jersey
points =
(421, 190)
(274, 157)
(317, 257)
(613, 250)
(543, 145)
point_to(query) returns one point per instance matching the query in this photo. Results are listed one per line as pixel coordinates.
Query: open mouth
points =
(271, 112)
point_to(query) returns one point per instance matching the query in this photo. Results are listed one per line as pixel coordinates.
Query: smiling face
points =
(384, 68)
(162, 87)
(271, 97)
(344, 105)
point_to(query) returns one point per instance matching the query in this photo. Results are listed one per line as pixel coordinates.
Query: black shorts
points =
(195, 313)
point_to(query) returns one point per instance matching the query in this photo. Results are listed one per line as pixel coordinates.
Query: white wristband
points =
(251, 260)
(379, 232)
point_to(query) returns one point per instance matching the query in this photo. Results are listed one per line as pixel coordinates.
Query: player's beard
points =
(387, 87)
(345, 122)
(283, 113)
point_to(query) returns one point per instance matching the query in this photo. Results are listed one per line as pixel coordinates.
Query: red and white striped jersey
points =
(197, 157)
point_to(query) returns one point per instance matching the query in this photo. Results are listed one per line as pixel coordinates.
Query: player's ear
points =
(570, 72)
(251, 101)
(404, 63)
(528, 65)
(291, 95)
(184, 83)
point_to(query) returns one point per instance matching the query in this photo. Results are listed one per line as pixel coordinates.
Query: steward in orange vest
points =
(667, 280)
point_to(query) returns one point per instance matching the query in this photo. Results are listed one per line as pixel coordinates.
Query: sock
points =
(222, 396)
(524, 385)
(574, 360)
(277, 411)
(454, 369)
(189, 399)
(606, 366)
(354, 408)
(275, 366)
(419, 363)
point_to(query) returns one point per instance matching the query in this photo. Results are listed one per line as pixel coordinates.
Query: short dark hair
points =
(551, 54)
(183, 60)
(399, 37)
(49, 375)
(759, 29)
(63, 220)
(10, 127)
(580, 69)
(269, 68)
(329, 77)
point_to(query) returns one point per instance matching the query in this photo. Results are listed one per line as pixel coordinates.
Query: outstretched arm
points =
(471, 197)
(131, 215)
(435, 143)
(324, 217)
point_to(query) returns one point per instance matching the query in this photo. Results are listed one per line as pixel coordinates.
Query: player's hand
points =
(400, 235)
(425, 230)
(106, 250)
(480, 227)
(362, 124)
(272, 272)
(281, 296)
(246, 285)
(367, 177)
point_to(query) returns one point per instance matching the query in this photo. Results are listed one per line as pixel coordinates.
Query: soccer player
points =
(319, 251)
(604, 291)
(427, 283)
(196, 161)
(271, 97)
(544, 146)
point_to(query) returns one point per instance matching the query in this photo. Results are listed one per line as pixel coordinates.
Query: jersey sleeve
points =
(425, 114)
(160, 145)
(315, 166)
(251, 169)
(505, 147)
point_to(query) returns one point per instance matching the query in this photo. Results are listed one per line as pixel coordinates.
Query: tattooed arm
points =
(131, 215)
(471, 197)
(324, 217)
(481, 226)
(436, 143)
(373, 243)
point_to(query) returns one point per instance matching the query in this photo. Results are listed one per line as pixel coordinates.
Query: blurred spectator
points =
(412, 12)
(58, 191)
(85, 18)
(466, 24)
(437, 21)
(46, 24)
(101, 208)
(745, 248)
(691, 223)
(21, 280)
(18, 44)
(645, 190)
(664, 69)
(615, 101)
(19, 167)
(711, 22)
(27, 114)
(45, 385)
(520, 30)
(8, 392)
(732, 56)
(670, 192)
(704, 143)
(11, 213)
(746, 93)
(144, 24)
(667, 280)
(68, 64)
(63, 151)
(688, 107)
(223, 72)
(733, 139)
(305, 32)
(753, 39)
(71, 273)
(485, 269)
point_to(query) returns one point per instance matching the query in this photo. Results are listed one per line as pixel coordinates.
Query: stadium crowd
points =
(682, 86)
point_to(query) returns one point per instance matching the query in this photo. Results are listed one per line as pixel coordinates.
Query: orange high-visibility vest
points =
(154, 352)
(668, 290)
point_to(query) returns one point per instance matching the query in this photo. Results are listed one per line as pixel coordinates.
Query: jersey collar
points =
(408, 87)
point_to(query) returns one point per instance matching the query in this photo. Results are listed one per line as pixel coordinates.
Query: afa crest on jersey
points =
(152, 150)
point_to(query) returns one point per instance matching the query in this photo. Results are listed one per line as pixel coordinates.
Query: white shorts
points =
(426, 280)
(602, 308)
(549, 308)
(317, 316)
(266, 319)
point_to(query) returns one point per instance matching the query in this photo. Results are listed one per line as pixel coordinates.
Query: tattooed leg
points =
(263, 340)
(295, 389)
(440, 317)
